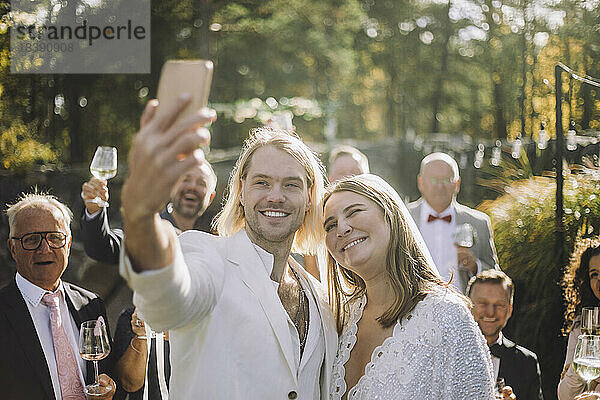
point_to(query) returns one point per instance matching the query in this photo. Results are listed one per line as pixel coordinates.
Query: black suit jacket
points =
(24, 373)
(520, 369)
(103, 244)
(100, 242)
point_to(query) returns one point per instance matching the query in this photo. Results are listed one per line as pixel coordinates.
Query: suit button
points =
(292, 395)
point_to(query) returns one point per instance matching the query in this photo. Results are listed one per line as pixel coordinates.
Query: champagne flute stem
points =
(588, 385)
(96, 379)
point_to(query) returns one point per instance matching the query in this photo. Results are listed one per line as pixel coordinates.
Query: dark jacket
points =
(24, 372)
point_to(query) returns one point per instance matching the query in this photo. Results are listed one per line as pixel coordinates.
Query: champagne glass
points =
(94, 346)
(103, 166)
(464, 237)
(590, 320)
(586, 360)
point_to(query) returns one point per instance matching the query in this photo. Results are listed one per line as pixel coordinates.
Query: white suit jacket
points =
(483, 247)
(228, 331)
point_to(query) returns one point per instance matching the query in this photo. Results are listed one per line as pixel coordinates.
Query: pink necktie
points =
(68, 370)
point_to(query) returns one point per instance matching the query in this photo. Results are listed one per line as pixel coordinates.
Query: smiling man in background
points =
(492, 294)
(190, 198)
(40, 314)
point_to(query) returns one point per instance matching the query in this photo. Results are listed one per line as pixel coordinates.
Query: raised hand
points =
(94, 188)
(161, 152)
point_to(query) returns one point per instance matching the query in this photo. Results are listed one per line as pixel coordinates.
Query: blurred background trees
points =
(359, 69)
(401, 78)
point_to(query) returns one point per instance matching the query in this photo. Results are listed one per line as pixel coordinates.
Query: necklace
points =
(302, 314)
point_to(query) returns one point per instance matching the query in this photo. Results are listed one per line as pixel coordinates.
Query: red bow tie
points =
(447, 218)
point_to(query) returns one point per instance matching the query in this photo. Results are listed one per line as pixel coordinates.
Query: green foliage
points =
(378, 68)
(523, 222)
(19, 150)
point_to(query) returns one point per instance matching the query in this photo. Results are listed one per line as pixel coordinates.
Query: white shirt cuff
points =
(89, 217)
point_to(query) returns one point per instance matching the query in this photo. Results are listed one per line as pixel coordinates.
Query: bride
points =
(404, 333)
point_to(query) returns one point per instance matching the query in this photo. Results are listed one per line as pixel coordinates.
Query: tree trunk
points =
(439, 85)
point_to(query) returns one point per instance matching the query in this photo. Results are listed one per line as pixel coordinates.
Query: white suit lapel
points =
(241, 252)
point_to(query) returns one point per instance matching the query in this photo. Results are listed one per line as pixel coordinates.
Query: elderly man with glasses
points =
(40, 314)
(440, 217)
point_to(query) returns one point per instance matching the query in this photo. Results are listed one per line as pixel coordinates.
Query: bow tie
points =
(496, 350)
(447, 218)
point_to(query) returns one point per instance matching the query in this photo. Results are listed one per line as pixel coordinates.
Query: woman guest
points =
(582, 289)
(404, 333)
(143, 368)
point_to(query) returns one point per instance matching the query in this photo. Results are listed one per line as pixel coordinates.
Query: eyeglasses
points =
(496, 307)
(441, 181)
(32, 241)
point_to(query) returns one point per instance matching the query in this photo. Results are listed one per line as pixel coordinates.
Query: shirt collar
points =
(265, 257)
(426, 210)
(33, 293)
(500, 340)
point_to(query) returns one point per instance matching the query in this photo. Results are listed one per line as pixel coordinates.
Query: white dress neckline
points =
(346, 344)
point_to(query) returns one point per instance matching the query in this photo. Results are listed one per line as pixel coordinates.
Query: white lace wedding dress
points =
(436, 353)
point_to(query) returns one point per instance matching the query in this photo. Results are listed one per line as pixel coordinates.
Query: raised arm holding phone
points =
(257, 323)
(161, 152)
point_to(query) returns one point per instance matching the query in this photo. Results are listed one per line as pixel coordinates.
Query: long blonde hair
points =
(407, 264)
(231, 218)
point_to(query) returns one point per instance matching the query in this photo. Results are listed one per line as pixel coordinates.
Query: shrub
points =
(523, 220)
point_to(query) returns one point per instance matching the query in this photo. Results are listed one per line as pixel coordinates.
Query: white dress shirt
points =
(496, 360)
(40, 314)
(438, 236)
(308, 367)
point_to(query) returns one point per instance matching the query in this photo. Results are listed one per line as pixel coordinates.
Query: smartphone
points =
(184, 76)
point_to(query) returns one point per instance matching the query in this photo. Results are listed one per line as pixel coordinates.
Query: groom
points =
(245, 320)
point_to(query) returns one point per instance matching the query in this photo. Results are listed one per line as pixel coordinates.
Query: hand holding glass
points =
(104, 166)
(586, 360)
(94, 346)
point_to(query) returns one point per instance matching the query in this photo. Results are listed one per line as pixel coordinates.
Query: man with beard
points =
(190, 198)
(245, 320)
(492, 293)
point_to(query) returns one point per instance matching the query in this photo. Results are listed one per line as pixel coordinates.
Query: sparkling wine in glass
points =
(94, 346)
(104, 166)
(590, 320)
(586, 360)
(463, 236)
